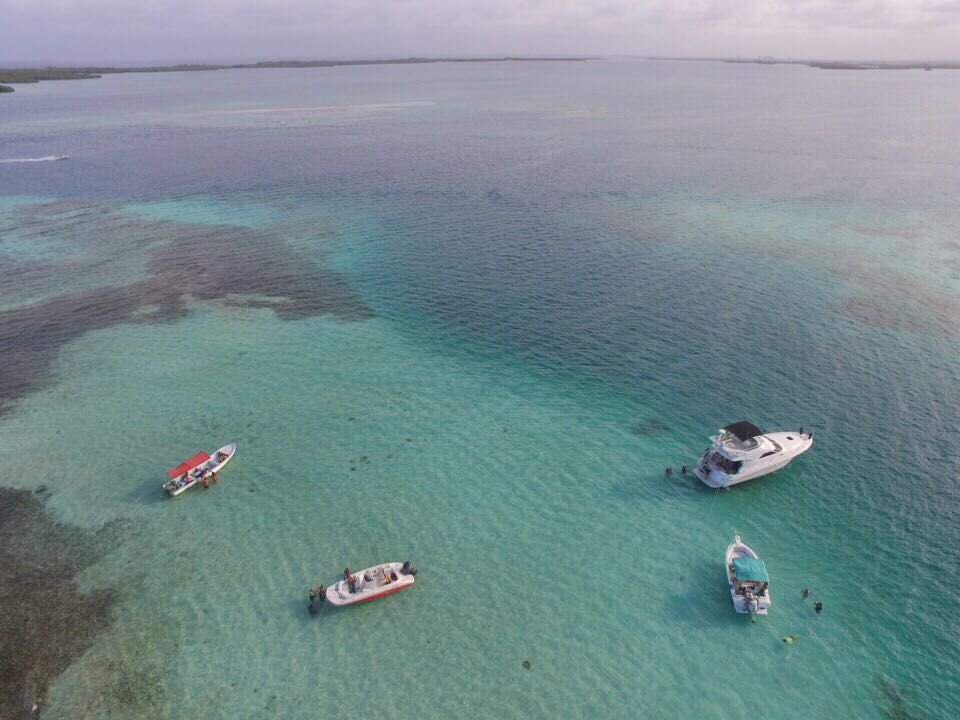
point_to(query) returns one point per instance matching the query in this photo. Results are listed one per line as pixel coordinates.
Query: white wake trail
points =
(45, 158)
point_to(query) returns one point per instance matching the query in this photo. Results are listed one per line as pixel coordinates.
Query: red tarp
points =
(188, 464)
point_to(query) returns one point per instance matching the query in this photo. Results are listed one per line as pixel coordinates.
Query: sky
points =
(170, 31)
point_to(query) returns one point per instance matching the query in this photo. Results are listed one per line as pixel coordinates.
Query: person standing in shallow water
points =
(317, 598)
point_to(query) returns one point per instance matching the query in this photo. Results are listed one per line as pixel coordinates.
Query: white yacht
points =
(742, 452)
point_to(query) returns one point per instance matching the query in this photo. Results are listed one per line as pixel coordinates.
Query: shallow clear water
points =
(466, 315)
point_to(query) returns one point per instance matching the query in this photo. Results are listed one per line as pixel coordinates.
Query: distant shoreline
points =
(845, 65)
(33, 75)
(827, 64)
(13, 76)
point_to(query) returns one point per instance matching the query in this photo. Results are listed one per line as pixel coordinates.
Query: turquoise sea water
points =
(466, 315)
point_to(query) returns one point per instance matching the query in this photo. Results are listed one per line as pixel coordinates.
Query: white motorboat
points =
(748, 579)
(371, 584)
(742, 452)
(197, 469)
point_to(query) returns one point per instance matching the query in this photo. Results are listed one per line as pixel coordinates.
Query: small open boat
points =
(372, 583)
(197, 469)
(748, 579)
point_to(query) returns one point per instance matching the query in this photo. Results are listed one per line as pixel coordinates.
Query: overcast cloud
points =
(138, 31)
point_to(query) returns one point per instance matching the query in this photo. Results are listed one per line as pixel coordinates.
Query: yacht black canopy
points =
(744, 430)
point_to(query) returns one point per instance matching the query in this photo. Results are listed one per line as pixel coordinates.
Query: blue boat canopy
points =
(750, 569)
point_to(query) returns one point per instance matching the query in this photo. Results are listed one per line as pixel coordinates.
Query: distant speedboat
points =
(371, 584)
(197, 469)
(61, 157)
(742, 452)
(747, 578)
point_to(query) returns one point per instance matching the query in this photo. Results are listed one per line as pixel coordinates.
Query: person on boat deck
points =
(221, 456)
(351, 580)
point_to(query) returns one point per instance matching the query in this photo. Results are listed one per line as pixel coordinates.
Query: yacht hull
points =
(793, 445)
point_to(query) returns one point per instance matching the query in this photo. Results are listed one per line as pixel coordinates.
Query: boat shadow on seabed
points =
(701, 598)
(145, 493)
(635, 488)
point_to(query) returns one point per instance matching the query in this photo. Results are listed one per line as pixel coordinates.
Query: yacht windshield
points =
(739, 444)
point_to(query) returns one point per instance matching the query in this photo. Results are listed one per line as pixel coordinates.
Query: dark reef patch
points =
(895, 702)
(240, 266)
(31, 336)
(889, 297)
(650, 427)
(903, 232)
(134, 688)
(925, 313)
(46, 620)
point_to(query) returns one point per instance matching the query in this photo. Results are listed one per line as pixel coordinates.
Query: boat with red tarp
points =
(197, 469)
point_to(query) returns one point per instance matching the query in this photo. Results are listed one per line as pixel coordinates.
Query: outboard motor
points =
(409, 568)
